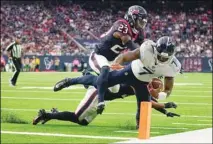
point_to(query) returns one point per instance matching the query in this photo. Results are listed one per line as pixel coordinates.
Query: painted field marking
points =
(35, 110)
(65, 135)
(50, 88)
(190, 124)
(205, 120)
(133, 132)
(45, 88)
(39, 91)
(83, 92)
(188, 84)
(62, 99)
(197, 136)
(48, 99)
(169, 128)
(193, 91)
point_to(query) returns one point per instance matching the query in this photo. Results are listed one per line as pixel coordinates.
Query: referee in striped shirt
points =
(14, 51)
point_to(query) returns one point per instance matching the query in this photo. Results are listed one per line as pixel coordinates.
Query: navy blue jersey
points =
(110, 47)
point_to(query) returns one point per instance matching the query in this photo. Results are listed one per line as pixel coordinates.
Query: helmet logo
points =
(135, 11)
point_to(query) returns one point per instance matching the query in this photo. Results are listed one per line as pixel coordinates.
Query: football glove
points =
(170, 114)
(170, 105)
(100, 107)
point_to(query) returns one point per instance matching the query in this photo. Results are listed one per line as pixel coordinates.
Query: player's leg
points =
(63, 116)
(96, 62)
(124, 91)
(101, 66)
(142, 94)
(86, 72)
(17, 65)
(84, 114)
(85, 80)
(87, 109)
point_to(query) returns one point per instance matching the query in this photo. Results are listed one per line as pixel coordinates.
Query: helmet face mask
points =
(140, 23)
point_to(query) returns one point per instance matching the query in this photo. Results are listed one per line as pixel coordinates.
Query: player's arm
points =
(128, 56)
(10, 46)
(162, 107)
(168, 86)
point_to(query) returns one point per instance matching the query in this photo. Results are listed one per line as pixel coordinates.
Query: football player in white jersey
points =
(149, 61)
(154, 60)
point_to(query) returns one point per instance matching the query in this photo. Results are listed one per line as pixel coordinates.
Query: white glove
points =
(162, 95)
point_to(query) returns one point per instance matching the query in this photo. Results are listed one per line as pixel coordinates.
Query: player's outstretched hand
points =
(100, 107)
(170, 105)
(170, 114)
(116, 66)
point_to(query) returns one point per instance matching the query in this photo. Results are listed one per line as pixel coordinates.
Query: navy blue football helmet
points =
(165, 49)
(137, 17)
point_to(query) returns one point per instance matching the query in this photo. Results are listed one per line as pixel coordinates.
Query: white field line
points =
(205, 120)
(39, 91)
(44, 90)
(37, 82)
(83, 92)
(35, 110)
(190, 124)
(72, 88)
(133, 132)
(62, 99)
(197, 136)
(65, 135)
(170, 128)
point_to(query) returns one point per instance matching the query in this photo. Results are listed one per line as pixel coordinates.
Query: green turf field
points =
(19, 105)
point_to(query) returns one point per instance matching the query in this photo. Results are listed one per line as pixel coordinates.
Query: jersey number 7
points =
(146, 71)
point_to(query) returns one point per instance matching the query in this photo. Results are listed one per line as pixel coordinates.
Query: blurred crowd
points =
(41, 28)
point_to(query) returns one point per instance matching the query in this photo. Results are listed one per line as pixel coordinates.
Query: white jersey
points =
(147, 67)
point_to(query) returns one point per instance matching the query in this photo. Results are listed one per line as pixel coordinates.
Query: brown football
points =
(157, 83)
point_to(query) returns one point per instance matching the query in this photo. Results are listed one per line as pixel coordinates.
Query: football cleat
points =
(12, 84)
(61, 84)
(86, 72)
(40, 117)
(53, 110)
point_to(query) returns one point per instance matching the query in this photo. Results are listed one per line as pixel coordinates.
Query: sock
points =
(85, 80)
(65, 116)
(124, 91)
(102, 83)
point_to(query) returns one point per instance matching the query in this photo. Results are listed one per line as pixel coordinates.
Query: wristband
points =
(162, 95)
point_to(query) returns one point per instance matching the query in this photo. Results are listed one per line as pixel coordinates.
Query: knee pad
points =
(115, 88)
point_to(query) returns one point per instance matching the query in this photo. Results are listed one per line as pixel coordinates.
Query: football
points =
(155, 86)
(157, 83)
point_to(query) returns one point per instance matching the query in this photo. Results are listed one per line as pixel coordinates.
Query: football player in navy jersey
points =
(86, 112)
(119, 37)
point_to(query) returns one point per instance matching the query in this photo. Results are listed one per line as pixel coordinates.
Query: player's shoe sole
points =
(61, 84)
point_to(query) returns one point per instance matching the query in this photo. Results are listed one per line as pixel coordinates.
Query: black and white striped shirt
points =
(15, 49)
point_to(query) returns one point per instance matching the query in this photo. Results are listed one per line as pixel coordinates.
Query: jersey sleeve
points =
(145, 50)
(10, 46)
(175, 68)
